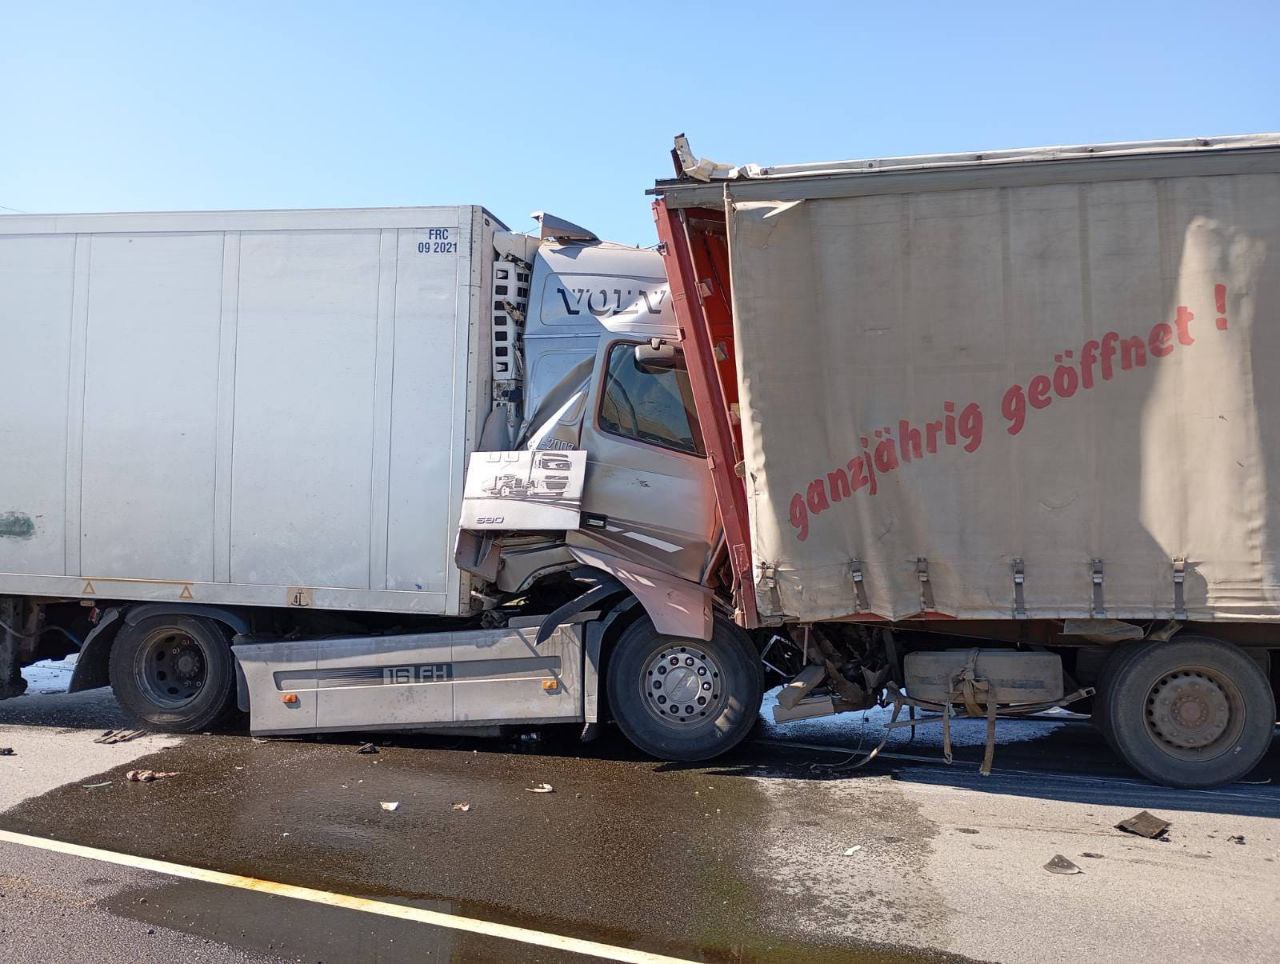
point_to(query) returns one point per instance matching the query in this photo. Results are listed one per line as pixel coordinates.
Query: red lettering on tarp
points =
(887, 454)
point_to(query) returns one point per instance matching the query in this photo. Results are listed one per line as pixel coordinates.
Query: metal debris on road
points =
(1145, 824)
(367, 748)
(118, 736)
(461, 807)
(392, 806)
(96, 786)
(147, 776)
(1236, 838)
(1061, 865)
(541, 788)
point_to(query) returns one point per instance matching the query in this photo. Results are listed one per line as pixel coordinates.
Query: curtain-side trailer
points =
(999, 431)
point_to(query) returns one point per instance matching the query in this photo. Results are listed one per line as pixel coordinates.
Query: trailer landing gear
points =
(684, 699)
(1191, 712)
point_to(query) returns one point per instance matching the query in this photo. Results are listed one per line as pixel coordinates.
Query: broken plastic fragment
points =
(1061, 865)
(367, 748)
(541, 788)
(147, 776)
(391, 806)
(852, 850)
(462, 807)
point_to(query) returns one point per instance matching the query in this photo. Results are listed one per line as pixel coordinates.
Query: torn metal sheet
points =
(1145, 824)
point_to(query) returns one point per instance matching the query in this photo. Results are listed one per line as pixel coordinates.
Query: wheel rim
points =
(171, 667)
(1194, 713)
(682, 686)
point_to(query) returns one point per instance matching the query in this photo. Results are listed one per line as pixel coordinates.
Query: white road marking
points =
(418, 915)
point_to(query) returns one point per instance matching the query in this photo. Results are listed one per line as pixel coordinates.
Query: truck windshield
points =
(649, 405)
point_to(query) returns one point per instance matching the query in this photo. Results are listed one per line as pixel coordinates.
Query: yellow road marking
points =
(417, 915)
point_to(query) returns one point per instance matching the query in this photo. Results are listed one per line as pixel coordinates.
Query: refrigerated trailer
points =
(972, 434)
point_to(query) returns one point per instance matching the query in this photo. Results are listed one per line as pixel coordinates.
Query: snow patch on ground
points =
(50, 675)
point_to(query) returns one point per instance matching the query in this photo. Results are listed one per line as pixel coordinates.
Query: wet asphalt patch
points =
(625, 852)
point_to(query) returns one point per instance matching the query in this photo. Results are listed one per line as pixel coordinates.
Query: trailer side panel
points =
(949, 390)
(248, 408)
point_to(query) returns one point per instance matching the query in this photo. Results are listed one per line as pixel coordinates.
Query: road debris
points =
(463, 807)
(541, 788)
(852, 850)
(7, 751)
(1236, 838)
(118, 736)
(148, 776)
(1145, 824)
(1091, 855)
(367, 748)
(95, 786)
(1061, 865)
(392, 806)
(965, 830)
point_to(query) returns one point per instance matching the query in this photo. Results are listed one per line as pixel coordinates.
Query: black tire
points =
(1191, 712)
(1100, 715)
(195, 694)
(697, 731)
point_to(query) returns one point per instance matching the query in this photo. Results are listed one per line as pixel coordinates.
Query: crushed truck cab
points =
(973, 435)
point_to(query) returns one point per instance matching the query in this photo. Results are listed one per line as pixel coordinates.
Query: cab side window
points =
(651, 405)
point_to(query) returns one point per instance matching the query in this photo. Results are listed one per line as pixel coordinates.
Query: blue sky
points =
(570, 107)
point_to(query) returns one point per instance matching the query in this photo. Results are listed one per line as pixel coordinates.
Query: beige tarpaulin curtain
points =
(1078, 381)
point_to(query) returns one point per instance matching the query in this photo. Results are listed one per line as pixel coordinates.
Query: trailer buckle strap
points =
(926, 588)
(1019, 601)
(1097, 610)
(1179, 577)
(859, 590)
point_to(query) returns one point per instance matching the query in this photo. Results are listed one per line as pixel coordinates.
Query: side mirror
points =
(657, 356)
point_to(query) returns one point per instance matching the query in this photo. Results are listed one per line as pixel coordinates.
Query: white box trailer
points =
(266, 408)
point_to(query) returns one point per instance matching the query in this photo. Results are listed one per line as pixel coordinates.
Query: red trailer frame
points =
(695, 253)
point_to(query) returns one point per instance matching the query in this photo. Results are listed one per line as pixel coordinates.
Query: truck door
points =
(648, 494)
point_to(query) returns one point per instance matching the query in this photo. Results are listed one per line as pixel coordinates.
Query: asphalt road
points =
(772, 854)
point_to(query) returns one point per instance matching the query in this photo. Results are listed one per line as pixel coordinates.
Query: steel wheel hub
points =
(682, 685)
(171, 668)
(1188, 710)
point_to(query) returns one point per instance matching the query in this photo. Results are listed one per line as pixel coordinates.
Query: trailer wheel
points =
(175, 673)
(1111, 671)
(1190, 712)
(684, 699)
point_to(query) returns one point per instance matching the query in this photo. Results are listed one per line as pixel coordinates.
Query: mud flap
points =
(11, 681)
